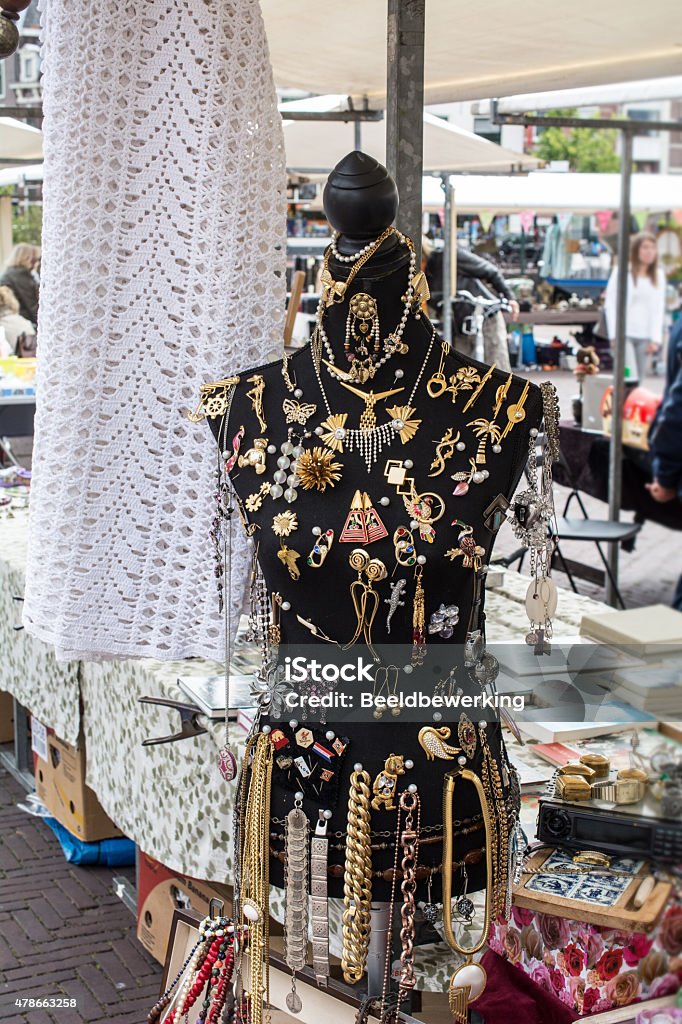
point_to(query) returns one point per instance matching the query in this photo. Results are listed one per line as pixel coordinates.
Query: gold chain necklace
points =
(255, 864)
(357, 880)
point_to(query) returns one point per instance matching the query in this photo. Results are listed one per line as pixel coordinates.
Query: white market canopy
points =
(547, 191)
(588, 96)
(317, 146)
(19, 142)
(493, 48)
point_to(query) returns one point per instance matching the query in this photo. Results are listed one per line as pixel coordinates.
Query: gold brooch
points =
(317, 469)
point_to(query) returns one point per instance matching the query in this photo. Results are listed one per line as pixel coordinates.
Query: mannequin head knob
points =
(360, 198)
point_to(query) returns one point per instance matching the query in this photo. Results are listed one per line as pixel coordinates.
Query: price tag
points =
(38, 738)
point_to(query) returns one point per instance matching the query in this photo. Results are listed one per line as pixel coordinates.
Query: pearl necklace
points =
(370, 443)
(393, 342)
(354, 256)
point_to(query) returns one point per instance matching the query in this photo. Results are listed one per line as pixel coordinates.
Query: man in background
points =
(665, 437)
(478, 277)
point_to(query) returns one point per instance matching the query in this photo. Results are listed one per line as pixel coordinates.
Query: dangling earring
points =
(363, 524)
(374, 527)
(418, 621)
(365, 598)
(354, 530)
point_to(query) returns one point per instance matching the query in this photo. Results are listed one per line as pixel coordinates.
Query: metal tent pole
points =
(405, 111)
(616, 446)
(446, 326)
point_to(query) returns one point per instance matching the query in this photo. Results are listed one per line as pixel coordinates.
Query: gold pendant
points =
(368, 420)
(466, 985)
(255, 394)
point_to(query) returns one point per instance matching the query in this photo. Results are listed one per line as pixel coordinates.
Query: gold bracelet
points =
(357, 879)
(469, 980)
(622, 791)
(255, 863)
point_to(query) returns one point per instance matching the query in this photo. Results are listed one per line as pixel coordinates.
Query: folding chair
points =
(598, 531)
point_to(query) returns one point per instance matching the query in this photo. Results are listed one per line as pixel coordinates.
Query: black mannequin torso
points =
(322, 595)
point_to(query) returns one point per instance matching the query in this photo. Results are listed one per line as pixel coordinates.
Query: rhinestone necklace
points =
(369, 442)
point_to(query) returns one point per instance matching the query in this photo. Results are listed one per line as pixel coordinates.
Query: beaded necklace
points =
(393, 342)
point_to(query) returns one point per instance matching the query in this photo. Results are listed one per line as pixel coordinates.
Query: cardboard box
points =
(160, 892)
(60, 784)
(6, 717)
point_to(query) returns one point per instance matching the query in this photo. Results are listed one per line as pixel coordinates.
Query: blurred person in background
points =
(645, 311)
(665, 437)
(19, 274)
(478, 277)
(5, 348)
(11, 320)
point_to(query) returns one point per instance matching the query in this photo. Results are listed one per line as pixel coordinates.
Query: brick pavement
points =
(63, 933)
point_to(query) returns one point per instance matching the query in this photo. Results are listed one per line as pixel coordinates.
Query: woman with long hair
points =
(645, 311)
(19, 276)
(11, 320)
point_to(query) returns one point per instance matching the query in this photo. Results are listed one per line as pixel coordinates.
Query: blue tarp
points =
(112, 853)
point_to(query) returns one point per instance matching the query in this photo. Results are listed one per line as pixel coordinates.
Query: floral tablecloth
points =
(28, 668)
(589, 967)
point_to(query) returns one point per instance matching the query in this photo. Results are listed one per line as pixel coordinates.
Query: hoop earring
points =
(403, 545)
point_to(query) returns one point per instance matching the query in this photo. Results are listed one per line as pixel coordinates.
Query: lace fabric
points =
(163, 267)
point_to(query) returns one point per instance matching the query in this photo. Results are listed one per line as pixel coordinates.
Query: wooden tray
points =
(621, 915)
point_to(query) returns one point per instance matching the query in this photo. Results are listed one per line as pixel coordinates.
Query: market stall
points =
(195, 465)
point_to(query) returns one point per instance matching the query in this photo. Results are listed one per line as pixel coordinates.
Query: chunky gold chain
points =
(357, 880)
(492, 782)
(256, 876)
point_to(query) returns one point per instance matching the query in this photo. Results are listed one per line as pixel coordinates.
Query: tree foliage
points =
(585, 149)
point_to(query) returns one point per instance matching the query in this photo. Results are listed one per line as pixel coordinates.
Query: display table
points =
(17, 412)
(587, 458)
(170, 799)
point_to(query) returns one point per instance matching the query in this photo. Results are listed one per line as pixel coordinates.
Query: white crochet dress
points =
(163, 267)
